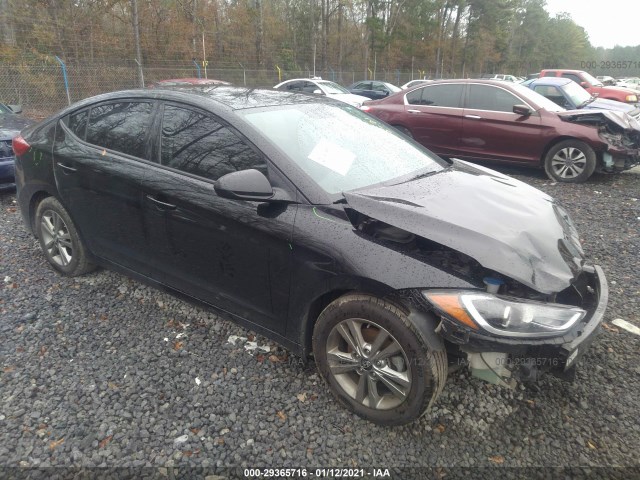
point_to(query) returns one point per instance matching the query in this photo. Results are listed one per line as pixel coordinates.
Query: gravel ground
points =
(102, 371)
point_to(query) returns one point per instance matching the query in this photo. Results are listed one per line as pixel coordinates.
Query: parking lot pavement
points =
(104, 371)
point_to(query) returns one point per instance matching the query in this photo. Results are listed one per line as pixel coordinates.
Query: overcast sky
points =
(608, 23)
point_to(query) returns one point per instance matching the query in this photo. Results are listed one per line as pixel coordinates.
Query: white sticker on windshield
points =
(332, 156)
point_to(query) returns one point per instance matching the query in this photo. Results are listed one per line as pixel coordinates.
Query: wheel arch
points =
(563, 138)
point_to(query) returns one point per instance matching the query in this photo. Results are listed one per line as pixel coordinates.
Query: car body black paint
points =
(265, 263)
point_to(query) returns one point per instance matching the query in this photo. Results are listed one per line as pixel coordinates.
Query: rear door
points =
(492, 131)
(101, 159)
(233, 254)
(433, 113)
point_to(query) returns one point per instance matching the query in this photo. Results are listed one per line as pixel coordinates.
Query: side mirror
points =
(584, 84)
(15, 108)
(249, 185)
(522, 110)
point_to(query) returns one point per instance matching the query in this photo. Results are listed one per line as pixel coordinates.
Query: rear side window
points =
(197, 143)
(122, 127)
(486, 97)
(363, 86)
(437, 96)
(77, 123)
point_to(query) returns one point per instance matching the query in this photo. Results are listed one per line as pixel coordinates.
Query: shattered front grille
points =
(6, 151)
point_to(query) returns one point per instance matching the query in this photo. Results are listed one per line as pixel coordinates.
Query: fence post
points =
(64, 76)
(197, 67)
(244, 74)
(333, 74)
(279, 74)
(398, 76)
(140, 74)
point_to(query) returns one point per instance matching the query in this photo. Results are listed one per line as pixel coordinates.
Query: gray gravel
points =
(104, 371)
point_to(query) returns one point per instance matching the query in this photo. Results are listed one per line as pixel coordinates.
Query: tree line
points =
(436, 38)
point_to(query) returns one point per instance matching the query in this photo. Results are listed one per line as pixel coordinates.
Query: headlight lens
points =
(505, 316)
(632, 98)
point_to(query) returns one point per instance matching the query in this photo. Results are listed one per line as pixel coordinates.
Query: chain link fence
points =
(42, 90)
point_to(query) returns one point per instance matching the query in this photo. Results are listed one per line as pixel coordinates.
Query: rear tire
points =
(570, 161)
(375, 360)
(59, 239)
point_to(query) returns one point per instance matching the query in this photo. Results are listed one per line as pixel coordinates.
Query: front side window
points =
(487, 97)
(196, 143)
(363, 86)
(573, 77)
(121, 126)
(77, 123)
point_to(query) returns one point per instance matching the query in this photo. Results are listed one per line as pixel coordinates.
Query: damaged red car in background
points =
(492, 121)
(315, 224)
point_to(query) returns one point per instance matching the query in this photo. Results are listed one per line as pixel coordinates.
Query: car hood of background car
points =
(604, 104)
(504, 224)
(349, 97)
(10, 125)
(600, 117)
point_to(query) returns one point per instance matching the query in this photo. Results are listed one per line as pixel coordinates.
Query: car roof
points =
(551, 81)
(227, 97)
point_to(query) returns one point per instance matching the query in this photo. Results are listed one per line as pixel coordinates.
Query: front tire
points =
(375, 360)
(59, 239)
(570, 161)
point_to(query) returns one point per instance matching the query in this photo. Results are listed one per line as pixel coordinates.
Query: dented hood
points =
(504, 224)
(600, 117)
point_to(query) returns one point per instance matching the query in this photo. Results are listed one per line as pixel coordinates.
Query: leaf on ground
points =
(281, 415)
(302, 397)
(43, 351)
(591, 445)
(55, 443)
(440, 428)
(20, 328)
(9, 369)
(274, 359)
(178, 345)
(531, 402)
(113, 386)
(497, 459)
(194, 430)
(608, 327)
(260, 358)
(251, 338)
(105, 441)
(220, 441)
(103, 317)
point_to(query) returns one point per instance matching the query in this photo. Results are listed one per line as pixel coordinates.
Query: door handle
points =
(160, 204)
(411, 110)
(67, 168)
(473, 117)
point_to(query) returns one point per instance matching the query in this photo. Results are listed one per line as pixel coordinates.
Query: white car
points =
(322, 87)
(414, 83)
(633, 83)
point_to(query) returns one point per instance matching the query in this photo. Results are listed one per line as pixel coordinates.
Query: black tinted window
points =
(437, 96)
(77, 123)
(120, 126)
(485, 97)
(196, 143)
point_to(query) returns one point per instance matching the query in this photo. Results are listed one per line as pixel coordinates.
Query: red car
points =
(594, 86)
(485, 120)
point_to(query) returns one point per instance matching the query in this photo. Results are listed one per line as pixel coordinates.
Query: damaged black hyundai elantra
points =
(321, 227)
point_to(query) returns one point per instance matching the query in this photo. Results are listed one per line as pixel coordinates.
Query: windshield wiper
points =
(416, 177)
(587, 101)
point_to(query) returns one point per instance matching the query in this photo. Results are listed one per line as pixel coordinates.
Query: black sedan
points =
(10, 125)
(318, 225)
(373, 89)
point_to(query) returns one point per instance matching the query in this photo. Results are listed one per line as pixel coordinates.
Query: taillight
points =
(20, 145)
(365, 108)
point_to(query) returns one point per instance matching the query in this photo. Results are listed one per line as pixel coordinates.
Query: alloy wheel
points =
(56, 238)
(569, 162)
(368, 363)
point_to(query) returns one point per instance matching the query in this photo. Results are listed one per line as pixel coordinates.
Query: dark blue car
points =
(568, 94)
(10, 126)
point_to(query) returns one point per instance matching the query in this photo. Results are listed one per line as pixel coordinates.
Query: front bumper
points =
(533, 356)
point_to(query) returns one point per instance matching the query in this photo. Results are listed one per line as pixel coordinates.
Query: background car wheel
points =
(59, 239)
(403, 130)
(375, 360)
(570, 161)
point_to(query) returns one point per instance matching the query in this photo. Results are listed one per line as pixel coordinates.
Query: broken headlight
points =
(505, 316)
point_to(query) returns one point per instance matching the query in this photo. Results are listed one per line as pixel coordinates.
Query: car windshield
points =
(340, 147)
(331, 88)
(592, 80)
(393, 88)
(535, 97)
(576, 93)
